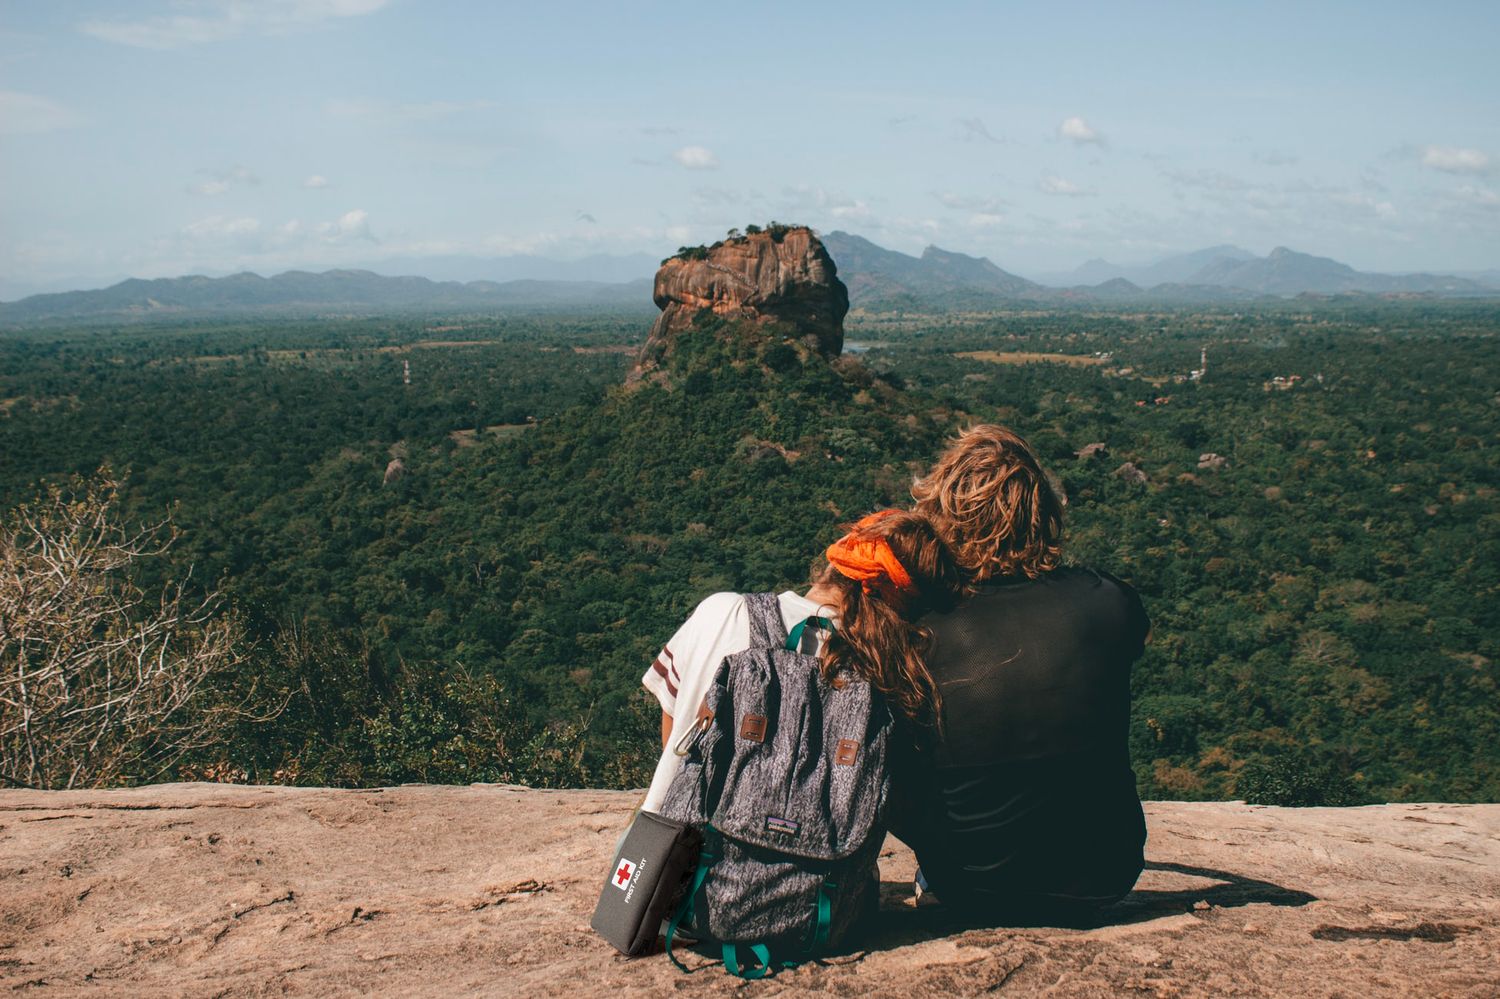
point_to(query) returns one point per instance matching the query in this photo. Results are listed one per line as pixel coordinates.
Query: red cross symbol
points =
(622, 876)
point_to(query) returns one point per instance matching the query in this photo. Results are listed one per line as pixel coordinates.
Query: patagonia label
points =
(775, 823)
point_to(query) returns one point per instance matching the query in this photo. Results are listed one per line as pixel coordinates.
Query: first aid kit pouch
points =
(648, 877)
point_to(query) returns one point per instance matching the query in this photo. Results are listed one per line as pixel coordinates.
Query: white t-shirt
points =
(682, 673)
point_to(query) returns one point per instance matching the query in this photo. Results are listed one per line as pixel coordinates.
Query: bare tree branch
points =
(100, 683)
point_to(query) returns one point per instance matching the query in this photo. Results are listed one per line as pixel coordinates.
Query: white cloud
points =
(221, 181)
(317, 180)
(1450, 159)
(1483, 197)
(1207, 179)
(218, 20)
(855, 209)
(350, 225)
(494, 245)
(696, 158)
(162, 32)
(710, 196)
(1053, 184)
(21, 114)
(218, 228)
(969, 203)
(396, 111)
(1077, 130)
(526, 243)
(1354, 199)
(802, 200)
(247, 235)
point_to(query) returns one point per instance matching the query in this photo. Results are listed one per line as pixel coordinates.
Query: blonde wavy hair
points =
(989, 498)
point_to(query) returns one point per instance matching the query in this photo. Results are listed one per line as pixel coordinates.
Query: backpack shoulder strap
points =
(767, 631)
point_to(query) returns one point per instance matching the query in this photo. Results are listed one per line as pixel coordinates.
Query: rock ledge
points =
(216, 890)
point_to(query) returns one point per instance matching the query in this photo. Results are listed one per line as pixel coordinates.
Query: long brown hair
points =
(990, 499)
(879, 637)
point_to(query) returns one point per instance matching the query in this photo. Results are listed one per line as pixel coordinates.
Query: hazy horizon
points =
(169, 138)
(605, 269)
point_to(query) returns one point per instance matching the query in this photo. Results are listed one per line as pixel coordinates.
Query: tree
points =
(101, 682)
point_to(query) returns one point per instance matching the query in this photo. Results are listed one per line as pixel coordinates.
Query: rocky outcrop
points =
(784, 276)
(217, 890)
(1090, 450)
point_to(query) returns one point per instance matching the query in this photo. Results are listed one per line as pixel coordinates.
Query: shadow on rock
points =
(900, 923)
(1229, 891)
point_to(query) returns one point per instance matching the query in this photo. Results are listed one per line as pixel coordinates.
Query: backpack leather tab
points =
(753, 728)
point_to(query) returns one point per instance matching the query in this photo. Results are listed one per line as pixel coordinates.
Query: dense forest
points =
(453, 544)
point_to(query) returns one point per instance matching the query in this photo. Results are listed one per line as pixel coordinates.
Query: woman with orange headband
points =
(882, 576)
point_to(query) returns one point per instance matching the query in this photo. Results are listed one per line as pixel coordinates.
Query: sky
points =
(156, 138)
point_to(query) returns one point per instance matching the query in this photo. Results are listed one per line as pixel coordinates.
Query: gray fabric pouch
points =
(651, 870)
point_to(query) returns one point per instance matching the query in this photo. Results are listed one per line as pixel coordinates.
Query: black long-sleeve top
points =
(1026, 801)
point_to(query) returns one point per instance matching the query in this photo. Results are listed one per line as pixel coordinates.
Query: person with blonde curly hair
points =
(989, 496)
(1023, 805)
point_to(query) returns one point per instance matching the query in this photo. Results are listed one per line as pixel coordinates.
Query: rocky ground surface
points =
(214, 890)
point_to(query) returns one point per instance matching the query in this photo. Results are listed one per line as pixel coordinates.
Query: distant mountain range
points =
(873, 272)
(1178, 269)
(1489, 277)
(603, 268)
(1282, 272)
(884, 278)
(302, 291)
(938, 280)
(599, 267)
(1287, 272)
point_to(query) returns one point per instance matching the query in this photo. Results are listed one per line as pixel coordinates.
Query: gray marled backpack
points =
(786, 777)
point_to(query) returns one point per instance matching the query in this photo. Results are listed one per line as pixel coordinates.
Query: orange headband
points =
(870, 561)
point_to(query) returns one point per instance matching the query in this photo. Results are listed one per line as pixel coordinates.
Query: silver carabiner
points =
(685, 744)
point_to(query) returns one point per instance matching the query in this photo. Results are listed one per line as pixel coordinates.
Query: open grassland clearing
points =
(339, 355)
(1030, 357)
(468, 438)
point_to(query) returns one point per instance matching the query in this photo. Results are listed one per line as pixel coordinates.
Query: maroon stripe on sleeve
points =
(661, 670)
